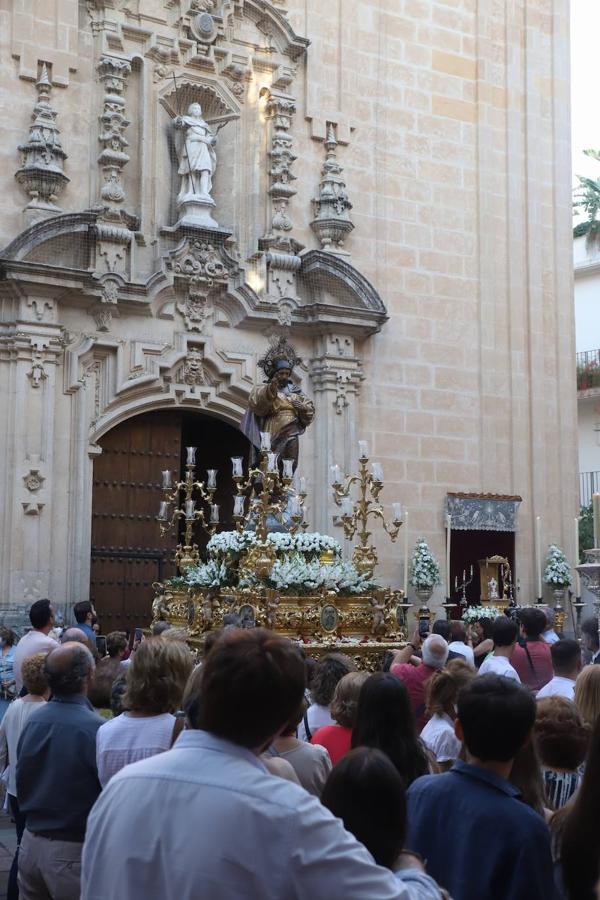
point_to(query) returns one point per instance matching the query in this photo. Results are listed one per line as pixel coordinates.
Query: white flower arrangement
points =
(558, 570)
(424, 567)
(476, 613)
(211, 574)
(230, 542)
(297, 575)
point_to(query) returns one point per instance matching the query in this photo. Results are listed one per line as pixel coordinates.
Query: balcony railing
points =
(589, 483)
(588, 370)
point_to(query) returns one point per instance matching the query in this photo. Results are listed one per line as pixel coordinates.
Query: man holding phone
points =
(435, 653)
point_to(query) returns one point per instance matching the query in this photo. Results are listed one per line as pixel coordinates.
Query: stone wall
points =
(450, 123)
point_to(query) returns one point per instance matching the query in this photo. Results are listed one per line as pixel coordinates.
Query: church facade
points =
(387, 184)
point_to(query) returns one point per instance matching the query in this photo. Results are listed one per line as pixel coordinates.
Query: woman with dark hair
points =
(561, 739)
(385, 720)
(576, 831)
(526, 775)
(481, 637)
(531, 657)
(441, 693)
(328, 671)
(366, 792)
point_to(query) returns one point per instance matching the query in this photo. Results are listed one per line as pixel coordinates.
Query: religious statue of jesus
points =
(197, 157)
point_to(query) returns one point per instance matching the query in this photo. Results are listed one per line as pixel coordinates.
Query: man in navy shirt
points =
(480, 841)
(85, 616)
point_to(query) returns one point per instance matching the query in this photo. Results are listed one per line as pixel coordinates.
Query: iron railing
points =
(588, 370)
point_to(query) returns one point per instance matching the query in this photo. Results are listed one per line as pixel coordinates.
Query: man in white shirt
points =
(550, 635)
(458, 643)
(566, 663)
(504, 634)
(205, 819)
(41, 616)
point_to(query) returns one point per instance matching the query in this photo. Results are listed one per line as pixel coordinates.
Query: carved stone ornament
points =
(41, 174)
(199, 272)
(34, 480)
(332, 223)
(37, 374)
(482, 512)
(192, 372)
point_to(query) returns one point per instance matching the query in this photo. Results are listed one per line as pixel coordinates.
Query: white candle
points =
(377, 470)
(288, 468)
(538, 557)
(363, 450)
(163, 511)
(397, 512)
(405, 580)
(236, 462)
(191, 456)
(336, 474)
(211, 481)
(189, 508)
(214, 513)
(265, 440)
(302, 486)
(166, 477)
(238, 505)
(448, 548)
(347, 507)
(576, 578)
(272, 462)
(596, 512)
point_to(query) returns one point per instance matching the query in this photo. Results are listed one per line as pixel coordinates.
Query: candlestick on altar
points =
(596, 513)
(576, 578)
(448, 547)
(538, 558)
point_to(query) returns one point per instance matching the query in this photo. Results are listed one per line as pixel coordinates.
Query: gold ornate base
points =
(363, 627)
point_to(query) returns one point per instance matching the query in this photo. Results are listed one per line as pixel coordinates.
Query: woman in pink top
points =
(531, 657)
(337, 738)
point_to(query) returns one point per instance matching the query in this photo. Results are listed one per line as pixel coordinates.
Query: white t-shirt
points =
(317, 717)
(558, 687)
(464, 650)
(550, 636)
(438, 735)
(31, 643)
(127, 739)
(498, 665)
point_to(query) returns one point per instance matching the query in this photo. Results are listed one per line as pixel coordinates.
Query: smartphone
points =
(423, 627)
(138, 635)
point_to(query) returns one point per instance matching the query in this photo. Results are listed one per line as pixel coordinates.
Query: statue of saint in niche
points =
(279, 407)
(197, 157)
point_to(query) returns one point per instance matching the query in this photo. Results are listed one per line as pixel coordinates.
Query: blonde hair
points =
(157, 676)
(345, 698)
(443, 686)
(34, 675)
(587, 694)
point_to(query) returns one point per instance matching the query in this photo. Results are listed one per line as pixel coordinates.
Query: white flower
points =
(210, 575)
(558, 570)
(424, 567)
(476, 613)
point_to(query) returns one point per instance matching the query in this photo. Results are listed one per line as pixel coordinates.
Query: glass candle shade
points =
(211, 479)
(265, 440)
(397, 512)
(163, 511)
(296, 507)
(377, 470)
(236, 463)
(167, 481)
(189, 507)
(363, 450)
(302, 485)
(347, 507)
(238, 506)
(191, 456)
(288, 468)
(272, 462)
(214, 513)
(336, 474)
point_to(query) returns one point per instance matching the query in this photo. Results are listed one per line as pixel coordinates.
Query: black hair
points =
(496, 715)
(566, 653)
(534, 622)
(385, 720)
(40, 613)
(328, 671)
(486, 627)
(443, 628)
(589, 627)
(366, 792)
(81, 611)
(504, 631)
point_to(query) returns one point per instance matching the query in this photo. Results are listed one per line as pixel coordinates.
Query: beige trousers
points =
(48, 869)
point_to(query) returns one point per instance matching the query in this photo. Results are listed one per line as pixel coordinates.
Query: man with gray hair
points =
(57, 778)
(415, 677)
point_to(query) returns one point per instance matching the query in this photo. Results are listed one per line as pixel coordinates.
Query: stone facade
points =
(392, 191)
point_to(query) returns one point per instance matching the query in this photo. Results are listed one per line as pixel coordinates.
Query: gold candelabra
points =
(180, 503)
(355, 515)
(266, 492)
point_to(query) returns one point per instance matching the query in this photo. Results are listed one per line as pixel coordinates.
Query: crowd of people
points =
(467, 768)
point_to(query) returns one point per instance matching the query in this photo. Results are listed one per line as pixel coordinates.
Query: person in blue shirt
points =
(85, 616)
(481, 842)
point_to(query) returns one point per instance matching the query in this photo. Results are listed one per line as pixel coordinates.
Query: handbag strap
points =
(306, 728)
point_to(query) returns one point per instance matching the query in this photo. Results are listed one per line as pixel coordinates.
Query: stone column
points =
(335, 372)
